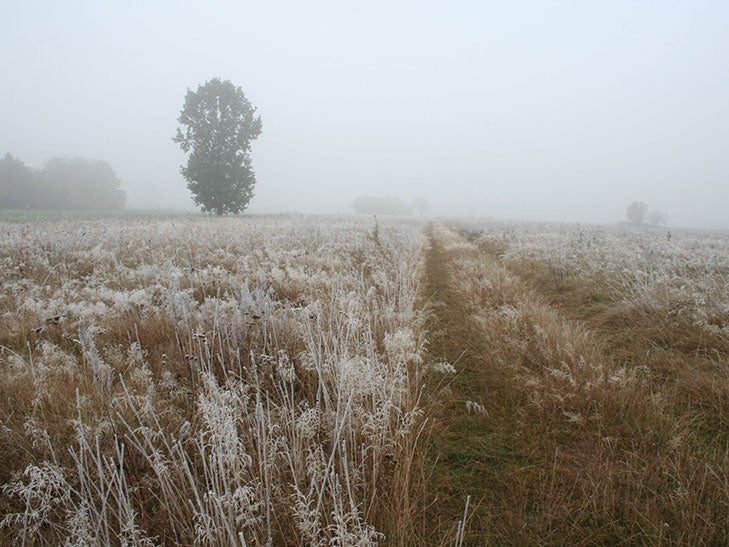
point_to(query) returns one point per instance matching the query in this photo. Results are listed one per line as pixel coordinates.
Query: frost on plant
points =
(236, 380)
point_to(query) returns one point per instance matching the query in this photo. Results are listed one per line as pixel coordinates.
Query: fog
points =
(525, 110)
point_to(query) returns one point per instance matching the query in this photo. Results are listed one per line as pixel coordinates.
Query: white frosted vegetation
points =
(208, 381)
(677, 286)
(685, 273)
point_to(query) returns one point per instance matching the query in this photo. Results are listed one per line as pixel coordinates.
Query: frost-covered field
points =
(258, 380)
(682, 272)
(608, 353)
(208, 381)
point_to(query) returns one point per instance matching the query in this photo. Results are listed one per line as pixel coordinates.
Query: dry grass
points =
(603, 423)
(262, 381)
(209, 381)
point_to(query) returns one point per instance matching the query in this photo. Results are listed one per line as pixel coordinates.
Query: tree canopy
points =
(217, 126)
(17, 184)
(657, 217)
(636, 212)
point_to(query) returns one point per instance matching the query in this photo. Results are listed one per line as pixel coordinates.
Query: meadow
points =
(311, 380)
(208, 381)
(598, 358)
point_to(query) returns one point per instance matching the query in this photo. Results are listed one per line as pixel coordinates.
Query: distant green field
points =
(22, 215)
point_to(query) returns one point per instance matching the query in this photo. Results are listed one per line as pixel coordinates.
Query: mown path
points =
(515, 459)
(471, 453)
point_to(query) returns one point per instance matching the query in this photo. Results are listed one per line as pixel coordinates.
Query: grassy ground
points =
(553, 412)
(22, 215)
(599, 423)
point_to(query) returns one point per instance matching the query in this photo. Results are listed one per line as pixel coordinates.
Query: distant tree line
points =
(62, 183)
(387, 205)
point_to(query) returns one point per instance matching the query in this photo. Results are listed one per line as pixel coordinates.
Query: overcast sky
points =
(528, 110)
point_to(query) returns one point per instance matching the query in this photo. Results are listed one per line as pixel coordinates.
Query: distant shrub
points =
(380, 205)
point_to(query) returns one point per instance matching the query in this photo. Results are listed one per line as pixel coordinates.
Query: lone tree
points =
(218, 125)
(636, 212)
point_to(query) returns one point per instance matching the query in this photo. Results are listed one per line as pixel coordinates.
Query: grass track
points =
(472, 453)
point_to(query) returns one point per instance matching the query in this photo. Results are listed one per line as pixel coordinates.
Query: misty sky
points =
(528, 110)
